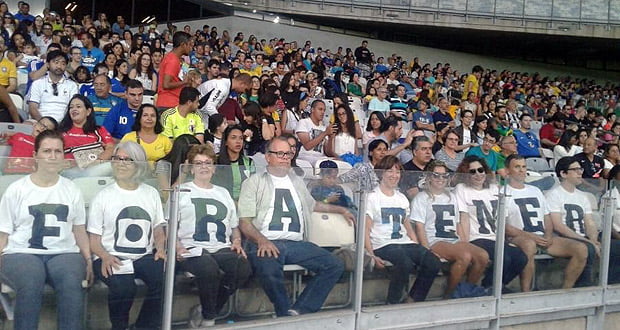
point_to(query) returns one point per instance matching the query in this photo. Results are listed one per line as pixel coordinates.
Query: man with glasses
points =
(485, 151)
(91, 55)
(571, 213)
(529, 226)
(50, 95)
(274, 208)
(466, 140)
(379, 103)
(45, 39)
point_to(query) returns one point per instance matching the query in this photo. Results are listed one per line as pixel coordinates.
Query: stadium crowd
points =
(431, 145)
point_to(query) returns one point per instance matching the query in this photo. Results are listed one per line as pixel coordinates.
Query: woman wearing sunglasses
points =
(390, 237)
(476, 199)
(126, 223)
(209, 242)
(435, 214)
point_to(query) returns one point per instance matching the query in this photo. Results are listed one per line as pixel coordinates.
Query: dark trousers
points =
(122, 290)
(514, 261)
(218, 275)
(405, 258)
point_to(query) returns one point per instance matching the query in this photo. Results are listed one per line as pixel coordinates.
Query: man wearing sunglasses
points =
(50, 95)
(273, 210)
(485, 150)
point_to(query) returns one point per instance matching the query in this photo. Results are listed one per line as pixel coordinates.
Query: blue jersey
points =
(102, 106)
(119, 120)
(92, 57)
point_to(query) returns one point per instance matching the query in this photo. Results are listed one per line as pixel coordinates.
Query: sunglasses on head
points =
(474, 170)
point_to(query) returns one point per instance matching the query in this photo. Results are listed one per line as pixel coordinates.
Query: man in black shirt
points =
(422, 155)
(364, 59)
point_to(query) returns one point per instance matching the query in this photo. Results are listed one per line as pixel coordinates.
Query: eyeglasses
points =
(578, 169)
(440, 175)
(40, 124)
(202, 163)
(55, 88)
(474, 170)
(122, 159)
(282, 154)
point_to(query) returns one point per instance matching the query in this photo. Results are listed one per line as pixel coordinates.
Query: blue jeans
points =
(122, 290)
(514, 261)
(405, 257)
(27, 275)
(269, 271)
(218, 275)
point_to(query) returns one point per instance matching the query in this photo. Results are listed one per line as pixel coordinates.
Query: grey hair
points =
(417, 140)
(137, 153)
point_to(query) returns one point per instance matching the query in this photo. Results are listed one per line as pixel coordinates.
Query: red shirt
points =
(75, 137)
(170, 65)
(21, 160)
(549, 132)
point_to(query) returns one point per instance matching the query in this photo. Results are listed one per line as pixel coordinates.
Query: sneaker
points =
(292, 312)
(195, 317)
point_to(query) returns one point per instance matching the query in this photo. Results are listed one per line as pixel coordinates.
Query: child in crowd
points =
(327, 189)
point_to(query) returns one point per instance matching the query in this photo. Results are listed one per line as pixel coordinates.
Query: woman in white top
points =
(209, 242)
(435, 214)
(373, 128)
(390, 237)
(346, 134)
(126, 223)
(43, 239)
(476, 199)
(567, 146)
(144, 73)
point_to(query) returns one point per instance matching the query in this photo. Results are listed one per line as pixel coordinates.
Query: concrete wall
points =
(332, 38)
(36, 6)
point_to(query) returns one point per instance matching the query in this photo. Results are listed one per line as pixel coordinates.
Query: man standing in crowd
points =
(183, 118)
(472, 83)
(274, 208)
(50, 95)
(169, 85)
(214, 92)
(121, 117)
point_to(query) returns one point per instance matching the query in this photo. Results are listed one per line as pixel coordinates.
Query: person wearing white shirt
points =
(390, 237)
(570, 207)
(435, 213)
(477, 201)
(43, 239)
(50, 95)
(209, 240)
(126, 223)
(529, 226)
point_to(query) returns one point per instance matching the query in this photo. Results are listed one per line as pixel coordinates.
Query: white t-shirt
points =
(572, 207)
(40, 220)
(284, 218)
(125, 219)
(388, 214)
(50, 103)
(206, 217)
(616, 222)
(438, 214)
(307, 126)
(526, 209)
(480, 206)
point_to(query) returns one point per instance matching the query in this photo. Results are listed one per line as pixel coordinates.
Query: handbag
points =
(86, 155)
